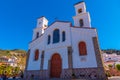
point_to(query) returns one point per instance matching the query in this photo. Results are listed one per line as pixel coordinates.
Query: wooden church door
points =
(56, 66)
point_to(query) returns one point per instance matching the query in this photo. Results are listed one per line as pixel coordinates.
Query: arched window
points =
(82, 48)
(56, 36)
(36, 56)
(79, 10)
(81, 22)
(49, 38)
(37, 35)
(63, 36)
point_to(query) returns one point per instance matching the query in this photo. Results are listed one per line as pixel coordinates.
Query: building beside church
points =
(63, 51)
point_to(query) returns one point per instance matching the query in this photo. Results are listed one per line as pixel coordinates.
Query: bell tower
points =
(82, 18)
(42, 24)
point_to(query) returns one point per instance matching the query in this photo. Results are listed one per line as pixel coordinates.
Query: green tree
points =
(16, 70)
(3, 68)
(7, 51)
(108, 74)
(9, 70)
(118, 66)
(110, 65)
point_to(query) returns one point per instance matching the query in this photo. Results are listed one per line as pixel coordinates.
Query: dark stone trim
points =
(98, 57)
(70, 63)
(83, 27)
(97, 52)
(38, 75)
(42, 60)
(49, 67)
(79, 73)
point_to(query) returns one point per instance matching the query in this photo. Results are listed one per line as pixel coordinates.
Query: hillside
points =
(110, 51)
(20, 56)
(12, 52)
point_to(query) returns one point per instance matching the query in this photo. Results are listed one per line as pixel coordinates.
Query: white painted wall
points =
(83, 15)
(86, 20)
(32, 64)
(41, 44)
(62, 26)
(35, 32)
(42, 23)
(60, 47)
(37, 44)
(73, 37)
(80, 34)
(80, 6)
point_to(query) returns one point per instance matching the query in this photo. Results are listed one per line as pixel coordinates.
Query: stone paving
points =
(114, 78)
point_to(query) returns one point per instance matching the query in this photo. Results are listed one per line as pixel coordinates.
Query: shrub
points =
(108, 74)
(110, 65)
(118, 66)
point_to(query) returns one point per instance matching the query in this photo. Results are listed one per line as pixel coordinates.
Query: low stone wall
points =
(37, 74)
(78, 73)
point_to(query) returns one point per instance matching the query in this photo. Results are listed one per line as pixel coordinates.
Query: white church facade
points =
(65, 51)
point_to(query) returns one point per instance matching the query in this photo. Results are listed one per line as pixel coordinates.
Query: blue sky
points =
(18, 19)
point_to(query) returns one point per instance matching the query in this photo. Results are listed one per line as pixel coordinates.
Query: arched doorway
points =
(56, 66)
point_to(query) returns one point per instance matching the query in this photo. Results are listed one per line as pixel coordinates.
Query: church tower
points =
(82, 18)
(42, 24)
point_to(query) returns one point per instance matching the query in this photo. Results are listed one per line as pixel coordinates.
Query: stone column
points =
(42, 61)
(68, 72)
(101, 71)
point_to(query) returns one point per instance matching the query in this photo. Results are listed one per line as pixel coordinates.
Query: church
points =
(65, 51)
